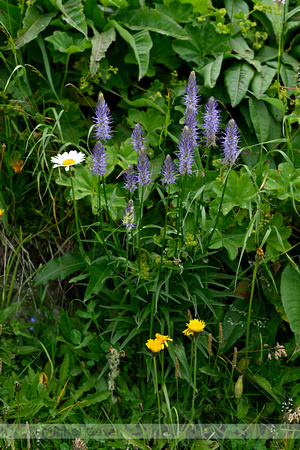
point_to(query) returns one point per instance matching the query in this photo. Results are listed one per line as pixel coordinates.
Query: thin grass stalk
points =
(249, 313)
(65, 75)
(140, 228)
(179, 215)
(76, 221)
(195, 376)
(191, 370)
(158, 397)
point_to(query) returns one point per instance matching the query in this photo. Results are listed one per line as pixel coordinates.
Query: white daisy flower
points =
(67, 159)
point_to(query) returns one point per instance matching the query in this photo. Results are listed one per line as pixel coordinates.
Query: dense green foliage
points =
(220, 245)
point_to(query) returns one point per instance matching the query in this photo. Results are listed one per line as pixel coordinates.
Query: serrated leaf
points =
(34, 22)
(262, 80)
(260, 119)
(290, 292)
(100, 43)
(60, 268)
(211, 72)
(141, 45)
(237, 80)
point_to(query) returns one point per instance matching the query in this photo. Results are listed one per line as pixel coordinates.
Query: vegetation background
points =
(81, 292)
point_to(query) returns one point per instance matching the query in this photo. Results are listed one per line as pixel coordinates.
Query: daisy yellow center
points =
(68, 162)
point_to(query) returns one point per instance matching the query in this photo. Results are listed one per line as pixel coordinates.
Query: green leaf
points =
(211, 72)
(199, 6)
(10, 17)
(100, 270)
(97, 397)
(73, 14)
(60, 268)
(65, 43)
(239, 45)
(262, 80)
(273, 101)
(264, 384)
(151, 20)
(236, 6)
(288, 75)
(75, 336)
(237, 80)
(236, 314)
(34, 22)
(260, 119)
(141, 45)
(290, 292)
(280, 181)
(100, 43)
(64, 368)
(11, 309)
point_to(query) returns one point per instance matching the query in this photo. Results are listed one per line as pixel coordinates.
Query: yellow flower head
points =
(163, 339)
(155, 345)
(194, 326)
(1, 212)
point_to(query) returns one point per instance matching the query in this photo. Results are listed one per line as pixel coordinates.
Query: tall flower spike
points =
(191, 97)
(143, 168)
(168, 171)
(211, 122)
(186, 152)
(102, 120)
(99, 160)
(129, 216)
(137, 139)
(130, 179)
(191, 121)
(229, 143)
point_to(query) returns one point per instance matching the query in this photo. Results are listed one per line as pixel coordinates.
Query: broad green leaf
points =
(211, 72)
(264, 384)
(239, 45)
(73, 14)
(273, 101)
(65, 43)
(237, 80)
(260, 119)
(289, 76)
(231, 239)
(267, 53)
(60, 268)
(234, 323)
(151, 20)
(199, 6)
(290, 292)
(236, 6)
(177, 10)
(150, 120)
(10, 17)
(239, 192)
(141, 45)
(97, 397)
(34, 22)
(5, 313)
(100, 270)
(75, 336)
(279, 182)
(262, 80)
(289, 60)
(100, 43)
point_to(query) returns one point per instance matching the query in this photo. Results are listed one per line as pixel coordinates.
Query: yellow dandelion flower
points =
(155, 345)
(194, 327)
(1, 212)
(163, 339)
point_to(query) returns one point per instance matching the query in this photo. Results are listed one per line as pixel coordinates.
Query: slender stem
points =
(195, 374)
(65, 75)
(140, 228)
(179, 215)
(249, 313)
(76, 220)
(158, 398)
(191, 369)
(219, 211)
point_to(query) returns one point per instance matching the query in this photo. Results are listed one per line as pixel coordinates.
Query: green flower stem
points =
(179, 215)
(65, 75)
(162, 382)
(140, 228)
(100, 219)
(195, 376)
(219, 212)
(191, 370)
(77, 222)
(158, 398)
(249, 313)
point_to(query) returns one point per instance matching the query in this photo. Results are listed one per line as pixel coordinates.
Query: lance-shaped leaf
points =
(141, 45)
(290, 292)
(237, 80)
(262, 80)
(260, 118)
(34, 22)
(211, 72)
(72, 14)
(100, 44)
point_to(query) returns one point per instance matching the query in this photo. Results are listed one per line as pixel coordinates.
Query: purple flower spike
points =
(211, 122)
(186, 152)
(102, 120)
(130, 179)
(191, 121)
(143, 168)
(137, 139)
(168, 171)
(191, 97)
(99, 160)
(229, 143)
(129, 216)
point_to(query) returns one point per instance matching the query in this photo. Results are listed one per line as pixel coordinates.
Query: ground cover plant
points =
(149, 209)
